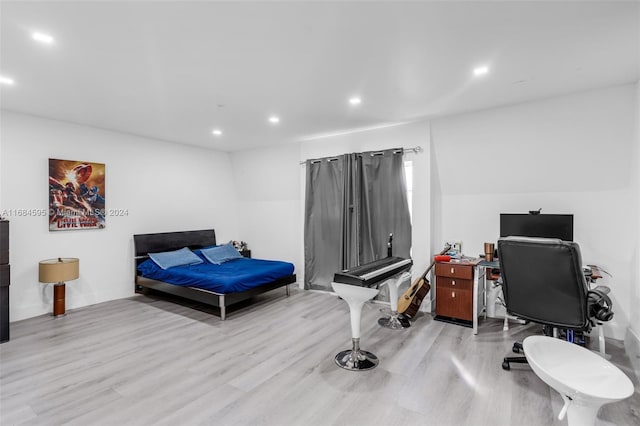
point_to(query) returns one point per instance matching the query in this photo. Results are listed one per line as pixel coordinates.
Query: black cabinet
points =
(5, 278)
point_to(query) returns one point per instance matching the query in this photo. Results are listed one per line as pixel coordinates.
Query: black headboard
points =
(167, 241)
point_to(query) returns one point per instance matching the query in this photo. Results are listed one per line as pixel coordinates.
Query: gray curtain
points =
(324, 203)
(384, 208)
(353, 202)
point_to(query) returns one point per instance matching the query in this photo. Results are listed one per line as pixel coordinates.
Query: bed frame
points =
(167, 241)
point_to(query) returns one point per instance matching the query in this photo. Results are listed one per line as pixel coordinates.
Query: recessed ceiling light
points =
(274, 120)
(43, 38)
(355, 101)
(478, 71)
(6, 80)
(217, 132)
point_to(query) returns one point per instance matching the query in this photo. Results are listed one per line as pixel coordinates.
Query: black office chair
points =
(543, 282)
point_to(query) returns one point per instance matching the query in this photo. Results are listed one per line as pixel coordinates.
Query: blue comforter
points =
(230, 277)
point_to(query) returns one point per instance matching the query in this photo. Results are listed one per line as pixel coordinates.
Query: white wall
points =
(268, 209)
(271, 184)
(435, 194)
(163, 186)
(635, 294)
(635, 185)
(632, 338)
(565, 155)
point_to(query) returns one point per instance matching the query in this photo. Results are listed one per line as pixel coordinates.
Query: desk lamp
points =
(58, 271)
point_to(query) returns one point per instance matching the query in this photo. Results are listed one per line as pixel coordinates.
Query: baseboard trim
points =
(632, 348)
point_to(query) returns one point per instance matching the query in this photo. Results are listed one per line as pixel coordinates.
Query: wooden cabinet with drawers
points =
(454, 293)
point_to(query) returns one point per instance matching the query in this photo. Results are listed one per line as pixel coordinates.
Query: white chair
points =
(584, 379)
(355, 359)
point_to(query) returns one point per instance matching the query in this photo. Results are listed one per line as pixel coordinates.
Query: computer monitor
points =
(537, 225)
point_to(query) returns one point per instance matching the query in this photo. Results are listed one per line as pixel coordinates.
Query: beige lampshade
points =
(59, 270)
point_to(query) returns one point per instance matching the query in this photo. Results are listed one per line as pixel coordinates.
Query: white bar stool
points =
(394, 321)
(355, 359)
(585, 380)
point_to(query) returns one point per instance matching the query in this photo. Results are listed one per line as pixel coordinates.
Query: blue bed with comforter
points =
(230, 277)
(218, 285)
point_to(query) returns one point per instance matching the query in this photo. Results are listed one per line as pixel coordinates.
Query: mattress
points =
(230, 277)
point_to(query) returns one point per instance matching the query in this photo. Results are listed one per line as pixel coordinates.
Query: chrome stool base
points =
(394, 322)
(356, 359)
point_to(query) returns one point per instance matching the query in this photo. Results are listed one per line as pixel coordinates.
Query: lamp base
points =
(59, 299)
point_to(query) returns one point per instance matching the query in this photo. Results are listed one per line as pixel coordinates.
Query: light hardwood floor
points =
(145, 360)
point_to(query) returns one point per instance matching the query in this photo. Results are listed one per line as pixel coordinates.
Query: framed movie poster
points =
(76, 195)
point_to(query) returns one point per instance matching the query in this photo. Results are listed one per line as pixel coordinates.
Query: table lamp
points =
(58, 271)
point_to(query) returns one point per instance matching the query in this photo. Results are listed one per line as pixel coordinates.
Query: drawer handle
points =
(453, 282)
(453, 294)
(452, 269)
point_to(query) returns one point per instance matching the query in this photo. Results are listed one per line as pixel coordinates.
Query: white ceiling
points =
(176, 70)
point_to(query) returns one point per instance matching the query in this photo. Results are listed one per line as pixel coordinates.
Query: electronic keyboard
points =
(372, 273)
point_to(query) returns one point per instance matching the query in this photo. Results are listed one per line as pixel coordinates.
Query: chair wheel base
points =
(506, 362)
(356, 360)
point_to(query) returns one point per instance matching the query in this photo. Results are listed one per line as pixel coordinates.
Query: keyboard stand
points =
(394, 321)
(355, 359)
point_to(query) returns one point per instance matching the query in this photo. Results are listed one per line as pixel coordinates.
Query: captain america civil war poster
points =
(76, 195)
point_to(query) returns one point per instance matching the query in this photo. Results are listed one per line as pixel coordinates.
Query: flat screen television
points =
(537, 225)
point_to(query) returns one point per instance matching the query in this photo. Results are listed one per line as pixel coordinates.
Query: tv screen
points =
(537, 225)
